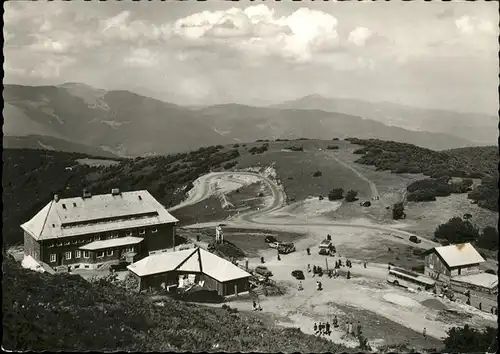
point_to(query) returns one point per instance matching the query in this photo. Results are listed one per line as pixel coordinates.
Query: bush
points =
(457, 230)
(488, 238)
(469, 340)
(317, 174)
(295, 148)
(398, 211)
(335, 139)
(332, 147)
(351, 196)
(229, 165)
(336, 194)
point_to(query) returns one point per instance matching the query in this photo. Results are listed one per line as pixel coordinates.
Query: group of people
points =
(352, 329)
(256, 306)
(324, 328)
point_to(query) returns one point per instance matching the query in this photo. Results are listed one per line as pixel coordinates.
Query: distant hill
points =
(50, 143)
(271, 123)
(481, 129)
(125, 124)
(119, 122)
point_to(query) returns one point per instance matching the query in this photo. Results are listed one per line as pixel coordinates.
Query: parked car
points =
(262, 270)
(415, 239)
(270, 239)
(326, 252)
(274, 244)
(298, 274)
(285, 248)
(118, 267)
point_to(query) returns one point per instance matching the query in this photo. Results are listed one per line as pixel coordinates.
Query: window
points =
(66, 243)
(129, 233)
(97, 238)
(155, 230)
(78, 254)
(75, 242)
(50, 245)
(82, 241)
(142, 232)
(64, 206)
(100, 255)
(59, 244)
(130, 249)
(109, 252)
(74, 205)
(115, 236)
(67, 255)
(53, 257)
(86, 254)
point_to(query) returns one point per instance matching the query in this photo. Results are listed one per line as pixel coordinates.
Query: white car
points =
(273, 244)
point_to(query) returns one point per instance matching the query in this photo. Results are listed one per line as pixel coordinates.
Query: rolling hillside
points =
(31, 177)
(476, 127)
(127, 124)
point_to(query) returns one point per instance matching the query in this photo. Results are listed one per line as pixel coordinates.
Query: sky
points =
(426, 54)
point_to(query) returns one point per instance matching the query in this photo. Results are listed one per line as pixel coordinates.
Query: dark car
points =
(270, 239)
(415, 239)
(118, 267)
(263, 271)
(298, 274)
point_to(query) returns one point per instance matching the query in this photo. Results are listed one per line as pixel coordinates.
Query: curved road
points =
(203, 189)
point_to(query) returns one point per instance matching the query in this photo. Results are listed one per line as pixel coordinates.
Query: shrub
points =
(398, 211)
(470, 340)
(317, 174)
(229, 165)
(457, 230)
(488, 238)
(295, 148)
(351, 196)
(336, 194)
(332, 147)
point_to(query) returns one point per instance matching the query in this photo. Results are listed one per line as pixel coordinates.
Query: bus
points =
(408, 279)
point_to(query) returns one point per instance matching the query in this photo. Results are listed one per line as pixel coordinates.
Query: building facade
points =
(87, 231)
(446, 262)
(182, 269)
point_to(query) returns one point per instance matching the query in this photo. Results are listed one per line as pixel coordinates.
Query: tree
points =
(351, 196)
(457, 230)
(336, 194)
(317, 174)
(488, 239)
(467, 216)
(398, 211)
(469, 340)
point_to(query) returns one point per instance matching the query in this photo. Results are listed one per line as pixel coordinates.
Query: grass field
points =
(295, 169)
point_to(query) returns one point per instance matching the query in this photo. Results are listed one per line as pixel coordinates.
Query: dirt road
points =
(372, 185)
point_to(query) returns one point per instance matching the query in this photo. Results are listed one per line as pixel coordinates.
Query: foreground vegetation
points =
(65, 312)
(474, 162)
(460, 230)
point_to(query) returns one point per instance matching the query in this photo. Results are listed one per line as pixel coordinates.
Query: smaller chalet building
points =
(447, 262)
(188, 267)
(87, 231)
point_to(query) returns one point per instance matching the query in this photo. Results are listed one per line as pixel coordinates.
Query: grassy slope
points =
(64, 312)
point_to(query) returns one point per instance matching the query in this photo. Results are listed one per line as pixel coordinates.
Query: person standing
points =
(315, 328)
(308, 251)
(424, 332)
(358, 329)
(327, 328)
(348, 274)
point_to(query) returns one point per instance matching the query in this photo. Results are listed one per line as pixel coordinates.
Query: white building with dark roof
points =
(86, 231)
(188, 267)
(451, 261)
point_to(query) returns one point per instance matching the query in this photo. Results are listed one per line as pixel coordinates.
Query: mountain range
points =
(78, 118)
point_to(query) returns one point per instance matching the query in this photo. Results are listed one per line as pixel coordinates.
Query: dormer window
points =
(140, 198)
(74, 205)
(64, 206)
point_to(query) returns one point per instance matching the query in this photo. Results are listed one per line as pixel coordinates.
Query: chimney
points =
(115, 191)
(86, 194)
(56, 198)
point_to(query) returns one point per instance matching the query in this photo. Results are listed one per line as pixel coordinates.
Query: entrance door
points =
(60, 259)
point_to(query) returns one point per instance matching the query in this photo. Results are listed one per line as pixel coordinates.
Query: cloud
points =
(359, 36)
(51, 67)
(469, 25)
(141, 57)
(258, 29)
